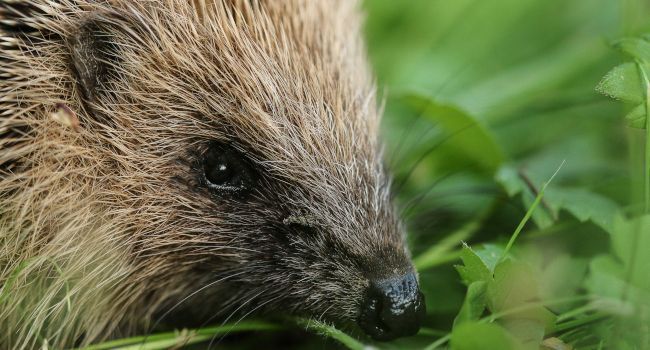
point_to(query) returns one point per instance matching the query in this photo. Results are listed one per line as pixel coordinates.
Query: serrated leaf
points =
(473, 268)
(637, 117)
(474, 303)
(635, 47)
(480, 336)
(478, 265)
(583, 205)
(623, 83)
(490, 254)
(580, 203)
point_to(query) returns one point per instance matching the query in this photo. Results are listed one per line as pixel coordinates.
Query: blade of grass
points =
(529, 213)
(169, 339)
(331, 332)
(559, 327)
(436, 344)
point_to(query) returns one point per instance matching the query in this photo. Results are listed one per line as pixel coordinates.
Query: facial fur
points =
(108, 228)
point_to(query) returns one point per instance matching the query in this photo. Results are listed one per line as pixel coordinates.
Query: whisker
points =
(240, 319)
(241, 305)
(325, 312)
(428, 152)
(395, 153)
(417, 200)
(187, 298)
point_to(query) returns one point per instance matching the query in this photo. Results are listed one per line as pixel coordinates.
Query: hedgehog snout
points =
(392, 308)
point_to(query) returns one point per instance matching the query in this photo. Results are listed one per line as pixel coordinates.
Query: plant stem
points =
(438, 342)
(332, 332)
(577, 322)
(646, 165)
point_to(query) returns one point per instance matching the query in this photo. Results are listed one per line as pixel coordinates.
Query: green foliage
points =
(466, 139)
(474, 304)
(474, 268)
(623, 82)
(485, 99)
(629, 81)
(470, 336)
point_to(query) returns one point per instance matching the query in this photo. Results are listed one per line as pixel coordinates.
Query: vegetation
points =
(526, 189)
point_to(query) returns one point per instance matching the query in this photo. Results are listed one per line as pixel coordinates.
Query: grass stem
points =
(529, 213)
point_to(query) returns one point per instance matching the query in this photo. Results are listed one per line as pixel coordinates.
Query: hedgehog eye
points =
(226, 169)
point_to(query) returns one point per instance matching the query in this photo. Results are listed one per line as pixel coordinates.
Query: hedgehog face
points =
(246, 153)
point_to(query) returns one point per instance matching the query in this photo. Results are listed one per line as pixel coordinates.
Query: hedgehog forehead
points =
(301, 100)
(249, 70)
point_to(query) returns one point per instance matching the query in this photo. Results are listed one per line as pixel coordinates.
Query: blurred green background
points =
(484, 101)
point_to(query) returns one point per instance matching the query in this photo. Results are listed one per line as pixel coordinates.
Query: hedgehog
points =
(183, 163)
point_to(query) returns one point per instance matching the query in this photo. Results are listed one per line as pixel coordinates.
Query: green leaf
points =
(631, 243)
(623, 83)
(515, 285)
(490, 254)
(636, 118)
(512, 295)
(530, 333)
(474, 303)
(606, 277)
(481, 336)
(562, 278)
(580, 203)
(474, 269)
(583, 205)
(635, 47)
(467, 138)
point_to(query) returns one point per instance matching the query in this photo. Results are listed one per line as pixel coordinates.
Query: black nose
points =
(392, 308)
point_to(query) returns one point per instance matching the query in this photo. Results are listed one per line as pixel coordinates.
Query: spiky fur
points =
(105, 229)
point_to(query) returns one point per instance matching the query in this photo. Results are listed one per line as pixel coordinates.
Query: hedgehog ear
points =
(93, 54)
